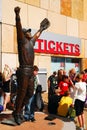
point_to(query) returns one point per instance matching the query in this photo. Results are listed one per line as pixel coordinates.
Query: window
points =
(65, 63)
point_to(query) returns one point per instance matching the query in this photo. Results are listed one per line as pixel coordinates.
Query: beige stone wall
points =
(58, 23)
(10, 59)
(77, 9)
(35, 16)
(85, 10)
(43, 61)
(82, 29)
(7, 38)
(66, 8)
(65, 16)
(72, 27)
(85, 48)
(73, 8)
(83, 64)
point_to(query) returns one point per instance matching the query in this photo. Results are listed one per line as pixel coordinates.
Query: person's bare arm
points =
(71, 83)
(7, 72)
(20, 34)
(48, 83)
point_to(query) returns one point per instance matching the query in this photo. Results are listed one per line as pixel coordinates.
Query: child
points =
(30, 107)
(79, 100)
(65, 102)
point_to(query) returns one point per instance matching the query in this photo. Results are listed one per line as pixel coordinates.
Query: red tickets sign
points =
(55, 47)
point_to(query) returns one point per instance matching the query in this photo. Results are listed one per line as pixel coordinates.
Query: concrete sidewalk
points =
(41, 123)
(69, 126)
(67, 123)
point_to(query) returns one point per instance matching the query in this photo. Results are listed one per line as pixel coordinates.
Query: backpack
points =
(38, 98)
(39, 89)
(72, 113)
(13, 83)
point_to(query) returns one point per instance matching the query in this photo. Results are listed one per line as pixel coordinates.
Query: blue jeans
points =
(29, 109)
(1, 100)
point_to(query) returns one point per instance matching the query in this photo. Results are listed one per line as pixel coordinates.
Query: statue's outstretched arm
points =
(43, 26)
(20, 34)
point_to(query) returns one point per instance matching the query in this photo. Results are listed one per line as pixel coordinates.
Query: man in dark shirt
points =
(26, 60)
(52, 84)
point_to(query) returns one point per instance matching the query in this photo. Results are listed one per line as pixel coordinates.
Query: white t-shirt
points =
(80, 91)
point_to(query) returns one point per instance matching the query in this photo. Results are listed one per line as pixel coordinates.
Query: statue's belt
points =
(26, 67)
(26, 70)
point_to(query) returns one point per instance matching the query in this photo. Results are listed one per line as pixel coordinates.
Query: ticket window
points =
(65, 64)
(57, 63)
(72, 63)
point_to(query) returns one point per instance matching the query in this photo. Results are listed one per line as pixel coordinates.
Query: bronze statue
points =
(25, 79)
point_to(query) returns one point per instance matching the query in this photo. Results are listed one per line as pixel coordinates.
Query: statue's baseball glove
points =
(44, 24)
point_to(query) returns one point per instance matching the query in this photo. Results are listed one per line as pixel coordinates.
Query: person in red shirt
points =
(64, 85)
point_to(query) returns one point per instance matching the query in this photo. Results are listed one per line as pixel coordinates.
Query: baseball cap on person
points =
(26, 30)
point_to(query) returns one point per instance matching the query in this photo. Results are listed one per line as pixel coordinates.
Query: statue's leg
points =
(22, 89)
(30, 91)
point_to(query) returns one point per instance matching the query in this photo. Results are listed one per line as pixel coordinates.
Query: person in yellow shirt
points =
(64, 104)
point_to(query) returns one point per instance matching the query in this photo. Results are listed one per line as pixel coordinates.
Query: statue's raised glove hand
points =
(17, 10)
(44, 24)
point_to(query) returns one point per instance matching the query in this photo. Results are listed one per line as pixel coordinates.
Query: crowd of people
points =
(64, 92)
(8, 86)
(8, 93)
(67, 91)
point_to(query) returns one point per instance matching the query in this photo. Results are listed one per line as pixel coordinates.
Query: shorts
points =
(79, 106)
(6, 87)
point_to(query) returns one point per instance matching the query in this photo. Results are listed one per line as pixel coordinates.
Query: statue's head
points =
(27, 33)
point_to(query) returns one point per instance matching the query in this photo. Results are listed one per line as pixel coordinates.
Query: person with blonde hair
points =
(60, 73)
(6, 84)
(79, 100)
(72, 74)
(72, 77)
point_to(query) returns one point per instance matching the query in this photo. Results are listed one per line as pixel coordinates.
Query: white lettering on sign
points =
(51, 43)
(54, 47)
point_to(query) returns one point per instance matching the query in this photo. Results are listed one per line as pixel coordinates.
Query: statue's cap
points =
(26, 30)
